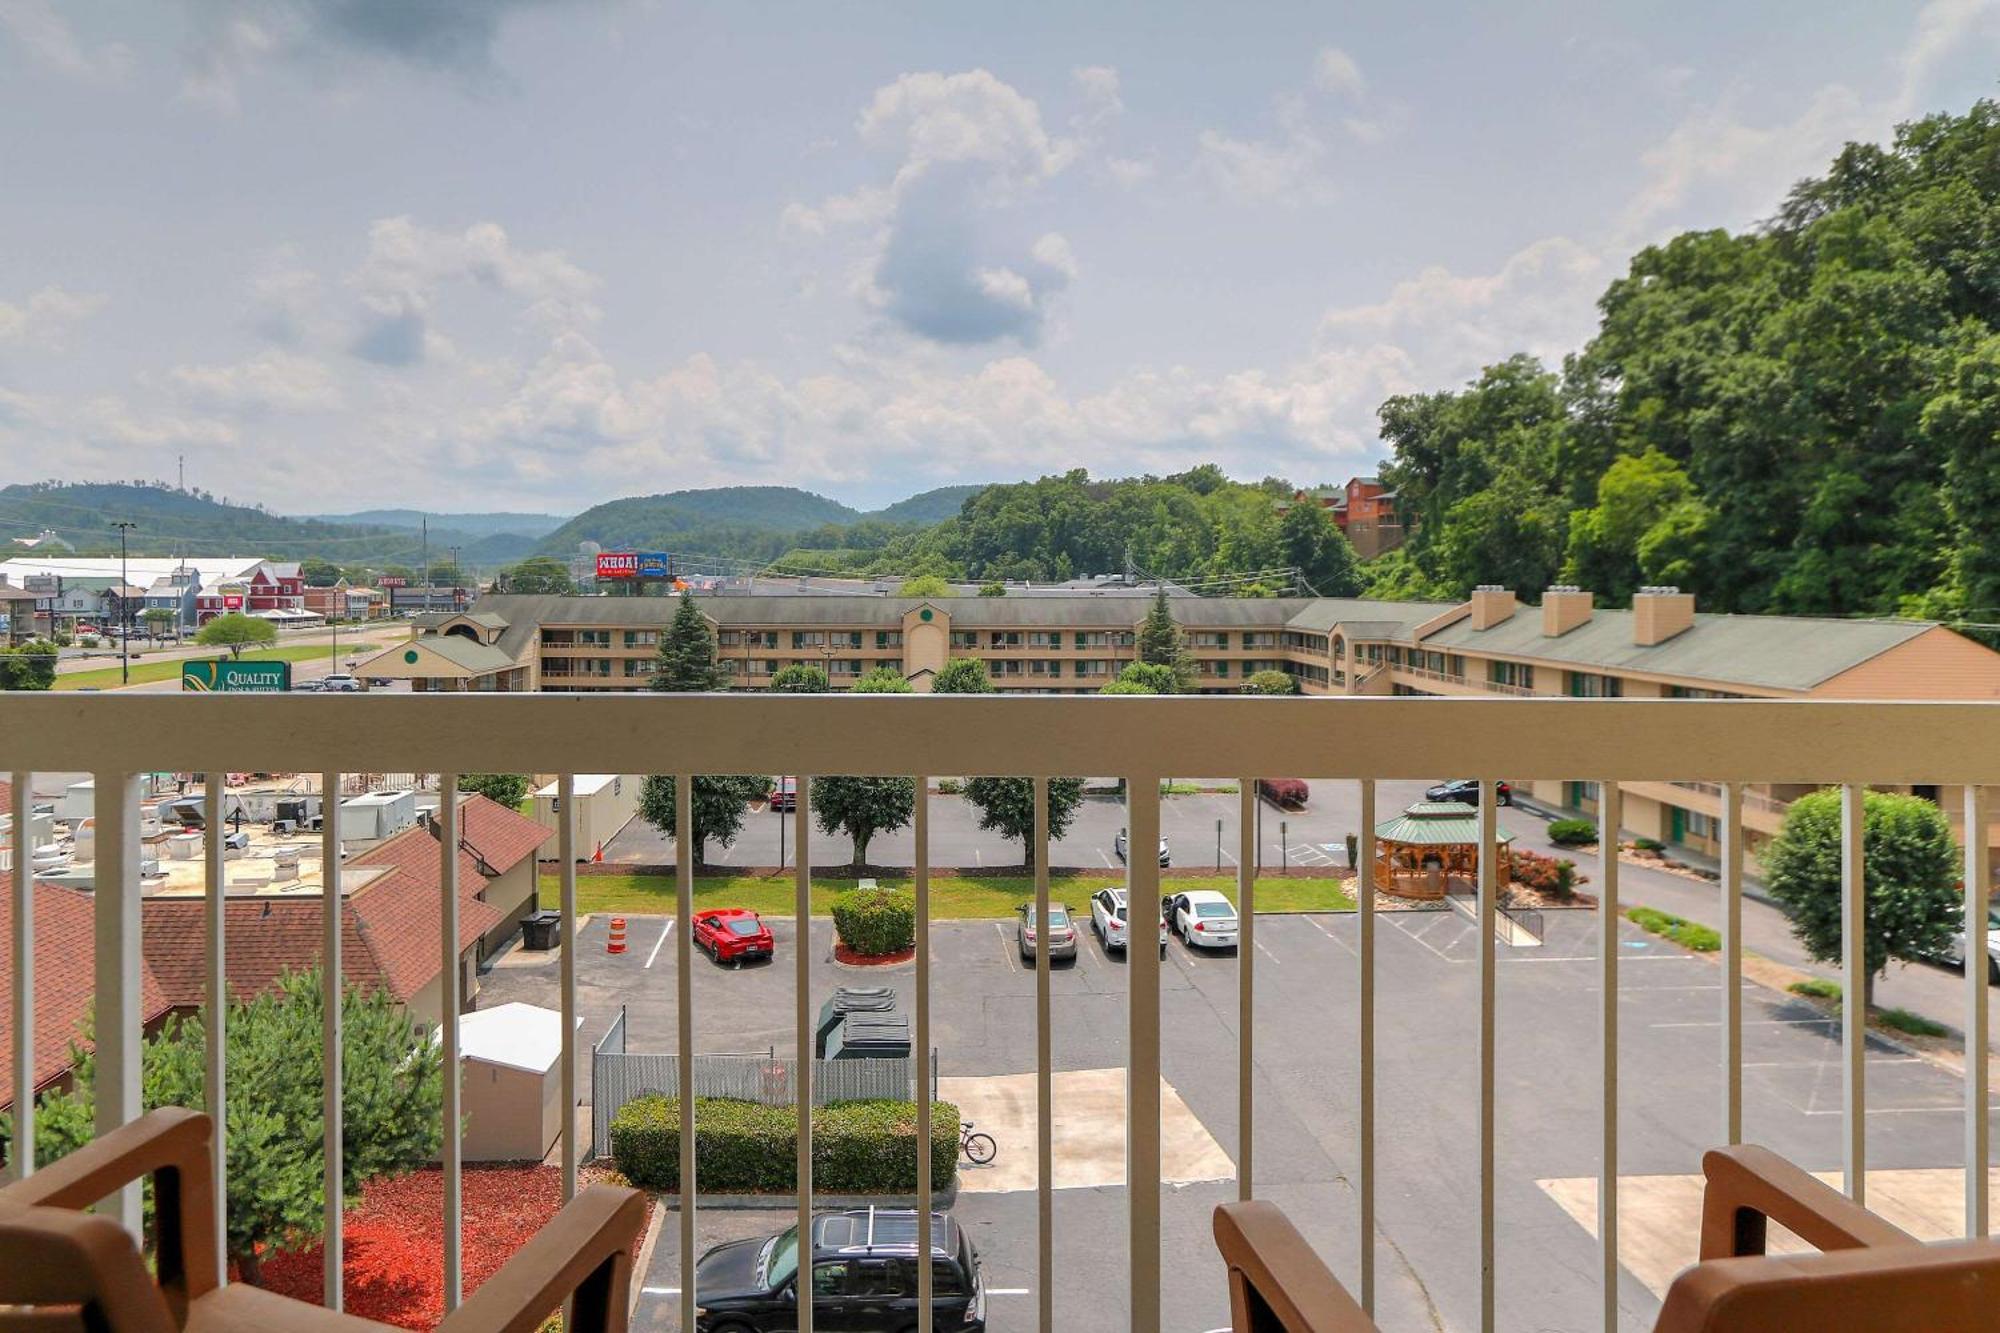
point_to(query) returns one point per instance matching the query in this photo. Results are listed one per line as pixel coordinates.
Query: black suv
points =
(1466, 792)
(864, 1277)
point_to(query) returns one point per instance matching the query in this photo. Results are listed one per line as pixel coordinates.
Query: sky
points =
(537, 254)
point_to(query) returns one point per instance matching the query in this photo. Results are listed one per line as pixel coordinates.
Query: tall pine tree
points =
(687, 662)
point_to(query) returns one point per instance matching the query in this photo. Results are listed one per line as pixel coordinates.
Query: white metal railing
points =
(1729, 743)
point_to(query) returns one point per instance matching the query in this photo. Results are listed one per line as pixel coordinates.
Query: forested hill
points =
(1800, 418)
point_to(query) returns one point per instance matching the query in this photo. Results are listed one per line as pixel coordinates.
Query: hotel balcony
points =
(1471, 1132)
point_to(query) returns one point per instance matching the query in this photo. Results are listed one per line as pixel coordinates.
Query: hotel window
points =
(964, 638)
(1045, 638)
(1124, 639)
(1700, 825)
(846, 666)
(1690, 692)
(1093, 668)
(1210, 639)
(733, 668)
(848, 638)
(1588, 685)
(888, 664)
(641, 666)
(642, 638)
(1091, 639)
(888, 638)
(763, 666)
(729, 638)
(1260, 640)
(1007, 638)
(807, 638)
(1518, 674)
(1011, 667)
(594, 638)
(1049, 667)
(761, 638)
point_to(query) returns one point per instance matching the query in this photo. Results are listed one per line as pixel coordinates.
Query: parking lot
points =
(1547, 1095)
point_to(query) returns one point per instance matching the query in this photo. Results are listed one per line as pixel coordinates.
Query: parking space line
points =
(1106, 858)
(1266, 952)
(1008, 948)
(1314, 923)
(665, 931)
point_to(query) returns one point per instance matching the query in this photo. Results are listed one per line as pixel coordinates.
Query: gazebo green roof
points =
(1436, 824)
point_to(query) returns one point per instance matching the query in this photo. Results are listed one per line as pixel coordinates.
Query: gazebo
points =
(1419, 851)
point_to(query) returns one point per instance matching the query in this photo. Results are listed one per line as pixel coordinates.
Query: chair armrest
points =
(1277, 1284)
(1955, 1285)
(586, 1249)
(171, 1145)
(1747, 1184)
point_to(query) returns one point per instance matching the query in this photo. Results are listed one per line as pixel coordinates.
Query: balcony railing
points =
(1144, 740)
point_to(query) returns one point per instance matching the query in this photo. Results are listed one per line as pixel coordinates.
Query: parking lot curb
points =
(940, 1199)
(644, 1261)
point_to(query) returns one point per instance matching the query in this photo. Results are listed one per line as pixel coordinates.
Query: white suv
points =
(1107, 918)
(340, 683)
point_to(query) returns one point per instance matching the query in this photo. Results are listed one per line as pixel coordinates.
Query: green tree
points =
(236, 631)
(29, 666)
(391, 1097)
(1123, 686)
(924, 585)
(1910, 870)
(687, 662)
(861, 807)
(538, 574)
(318, 573)
(993, 590)
(1310, 539)
(720, 804)
(799, 678)
(1646, 525)
(1271, 682)
(1161, 643)
(962, 675)
(882, 680)
(1007, 806)
(508, 789)
(1144, 678)
(158, 620)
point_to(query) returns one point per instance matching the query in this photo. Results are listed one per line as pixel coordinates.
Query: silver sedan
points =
(1062, 932)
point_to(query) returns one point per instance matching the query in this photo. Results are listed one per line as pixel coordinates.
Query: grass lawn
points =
(953, 897)
(146, 672)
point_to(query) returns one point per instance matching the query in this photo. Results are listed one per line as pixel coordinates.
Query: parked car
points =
(863, 1274)
(1118, 845)
(309, 687)
(1108, 918)
(1062, 932)
(733, 935)
(1466, 792)
(1954, 953)
(784, 795)
(339, 682)
(1203, 918)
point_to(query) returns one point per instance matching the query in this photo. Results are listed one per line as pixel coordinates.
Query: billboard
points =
(653, 564)
(617, 565)
(392, 581)
(227, 675)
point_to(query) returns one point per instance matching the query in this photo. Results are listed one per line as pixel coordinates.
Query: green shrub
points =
(1648, 845)
(950, 787)
(1916, 1025)
(1545, 874)
(859, 1147)
(1572, 832)
(1816, 988)
(1688, 934)
(873, 922)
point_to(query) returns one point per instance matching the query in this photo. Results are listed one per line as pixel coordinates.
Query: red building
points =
(1364, 509)
(268, 585)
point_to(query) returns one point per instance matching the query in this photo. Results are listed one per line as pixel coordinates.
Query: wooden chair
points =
(1869, 1276)
(61, 1268)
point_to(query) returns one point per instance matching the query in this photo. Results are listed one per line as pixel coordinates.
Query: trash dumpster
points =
(539, 930)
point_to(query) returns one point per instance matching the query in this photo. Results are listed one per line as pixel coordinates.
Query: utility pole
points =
(124, 526)
(426, 523)
(455, 580)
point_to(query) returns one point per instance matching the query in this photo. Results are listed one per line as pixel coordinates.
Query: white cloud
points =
(1129, 171)
(47, 36)
(1263, 169)
(933, 120)
(1103, 100)
(271, 381)
(46, 315)
(1334, 71)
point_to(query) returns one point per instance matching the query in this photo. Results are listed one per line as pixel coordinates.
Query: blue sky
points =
(539, 253)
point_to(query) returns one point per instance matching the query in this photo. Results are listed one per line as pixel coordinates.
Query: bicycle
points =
(979, 1149)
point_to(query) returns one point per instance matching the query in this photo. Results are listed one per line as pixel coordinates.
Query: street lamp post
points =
(124, 526)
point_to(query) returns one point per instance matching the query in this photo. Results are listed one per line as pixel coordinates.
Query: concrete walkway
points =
(1088, 1136)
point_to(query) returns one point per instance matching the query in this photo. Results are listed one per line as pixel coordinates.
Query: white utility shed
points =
(605, 803)
(510, 1063)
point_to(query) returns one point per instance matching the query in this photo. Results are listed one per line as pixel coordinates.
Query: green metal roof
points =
(1436, 824)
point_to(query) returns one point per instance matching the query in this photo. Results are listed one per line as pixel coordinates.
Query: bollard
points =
(616, 944)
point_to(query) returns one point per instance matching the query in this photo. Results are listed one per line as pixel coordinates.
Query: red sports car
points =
(733, 934)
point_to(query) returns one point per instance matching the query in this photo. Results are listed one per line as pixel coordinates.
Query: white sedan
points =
(1203, 918)
(1108, 918)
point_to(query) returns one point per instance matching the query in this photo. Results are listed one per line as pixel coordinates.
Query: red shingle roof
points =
(504, 837)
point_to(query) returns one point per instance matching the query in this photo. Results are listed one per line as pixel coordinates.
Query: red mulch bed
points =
(843, 954)
(395, 1241)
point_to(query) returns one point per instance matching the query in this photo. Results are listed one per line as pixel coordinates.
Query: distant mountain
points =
(190, 522)
(930, 507)
(714, 521)
(530, 526)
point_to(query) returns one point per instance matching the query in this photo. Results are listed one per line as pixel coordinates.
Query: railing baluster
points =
(216, 1020)
(1364, 898)
(1853, 999)
(450, 1001)
(1732, 962)
(332, 989)
(1142, 1093)
(116, 929)
(1610, 816)
(922, 831)
(684, 1032)
(1045, 1157)
(1246, 988)
(802, 1034)
(21, 1153)
(1489, 888)
(1978, 885)
(566, 849)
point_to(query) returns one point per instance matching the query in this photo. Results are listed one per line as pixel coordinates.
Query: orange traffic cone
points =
(597, 857)
(616, 944)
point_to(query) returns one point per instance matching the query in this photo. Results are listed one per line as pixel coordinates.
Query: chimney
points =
(1660, 613)
(1564, 607)
(1491, 605)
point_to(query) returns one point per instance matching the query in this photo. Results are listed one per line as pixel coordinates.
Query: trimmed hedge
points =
(1572, 832)
(1688, 934)
(1546, 874)
(873, 922)
(859, 1147)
